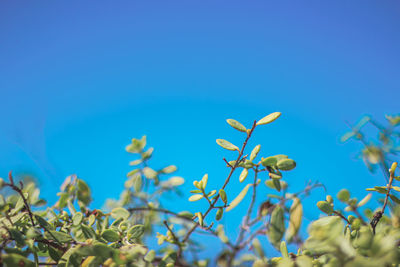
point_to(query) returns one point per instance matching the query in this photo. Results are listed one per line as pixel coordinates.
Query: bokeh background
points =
(79, 79)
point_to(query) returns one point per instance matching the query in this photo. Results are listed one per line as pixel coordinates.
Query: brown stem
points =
(233, 168)
(341, 216)
(246, 221)
(19, 191)
(378, 215)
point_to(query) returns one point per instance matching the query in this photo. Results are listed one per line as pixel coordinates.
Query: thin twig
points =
(378, 215)
(341, 216)
(19, 191)
(225, 183)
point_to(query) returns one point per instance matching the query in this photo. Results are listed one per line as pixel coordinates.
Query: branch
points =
(225, 184)
(19, 191)
(378, 215)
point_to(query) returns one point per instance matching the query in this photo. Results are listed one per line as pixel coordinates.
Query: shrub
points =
(69, 233)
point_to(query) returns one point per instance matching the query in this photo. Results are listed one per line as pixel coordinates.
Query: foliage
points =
(70, 233)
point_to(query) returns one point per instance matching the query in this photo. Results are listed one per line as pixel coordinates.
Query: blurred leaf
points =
(120, 213)
(277, 226)
(110, 235)
(222, 194)
(325, 207)
(286, 164)
(243, 175)
(295, 219)
(239, 198)
(195, 197)
(136, 231)
(343, 195)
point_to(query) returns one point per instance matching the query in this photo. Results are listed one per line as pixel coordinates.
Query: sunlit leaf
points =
(239, 198)
(237, 125)
(195, 197)
(227, 145)
(243, 175)
(269, 118)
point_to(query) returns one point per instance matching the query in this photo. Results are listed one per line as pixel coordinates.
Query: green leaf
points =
(176, 181)
(295, 219)
(18, 237)
(222, 194)
(284, 250)
(275, 176)
(60, 237)
(277, 226)
(286, 164)
(186, 214)
(227, 145)
(325, 207)
(269, 162)
(254, 152)
(137, 182)
(150, 256)
(200, 217)
(135, 162)
(149, 173)
(343, 195)
(87, 231)
(169, 169)
(243, 175)
(211, 193)
(195, 197)
(269, 118)
(237, 125)
(204, 181)
(110, 235)
(274, 184)
(14, 259)
(239, 198)
(136, 231)
(120, 213)
(379, 189)
(394, 198)
(77, 218)
(364, 200)
(83, 193)
(219, 214)
(347, 136)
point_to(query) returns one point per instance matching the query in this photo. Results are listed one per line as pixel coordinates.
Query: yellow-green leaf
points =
(286, 164)
(269, 118)
(227, 145)
(295, 219)
(204, 181)
(325, 207)
(364, 200)
(254, 152)
(237, 125)
(219, 214)
(243, 175)
(239, 198)
(195, 197)
(200, 217)
(222, 194)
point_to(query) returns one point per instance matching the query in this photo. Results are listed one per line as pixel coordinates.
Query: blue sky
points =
(79, 79)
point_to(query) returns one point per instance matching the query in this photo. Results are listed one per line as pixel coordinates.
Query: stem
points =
(19, 191)
(378, 215)
(341, 216)
(246, 221)
(233, 168)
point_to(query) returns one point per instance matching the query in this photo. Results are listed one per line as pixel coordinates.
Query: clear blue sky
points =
(78, 79)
